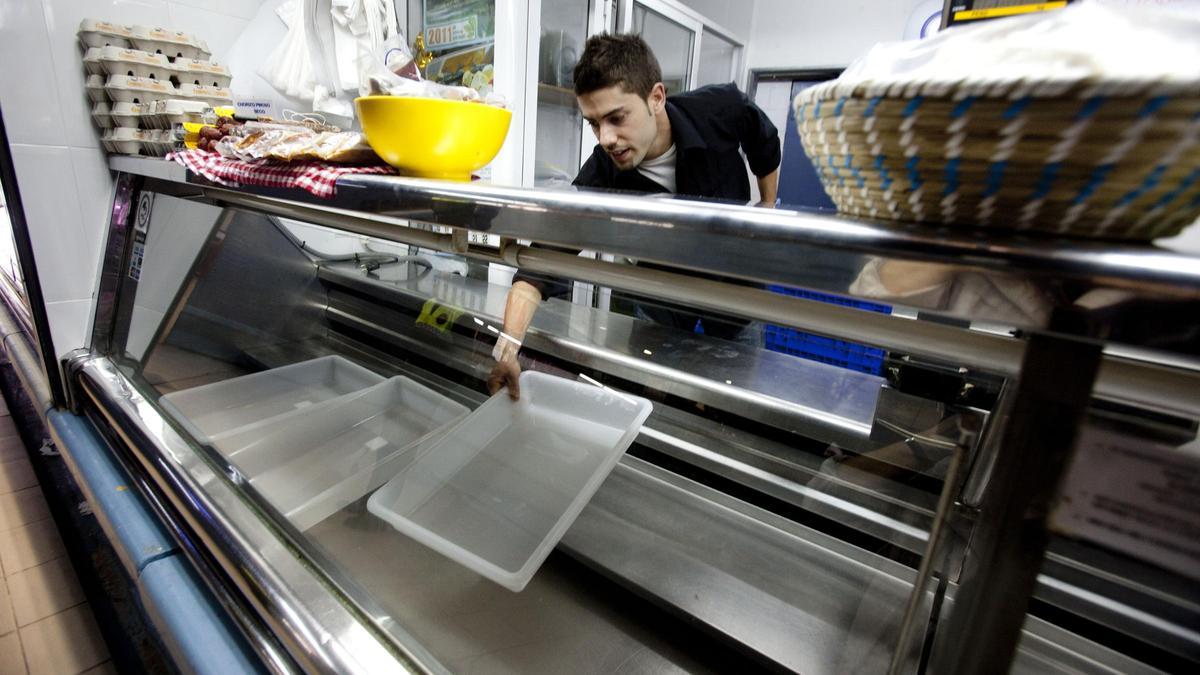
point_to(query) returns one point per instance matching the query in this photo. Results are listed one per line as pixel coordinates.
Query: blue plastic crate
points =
(848, 355)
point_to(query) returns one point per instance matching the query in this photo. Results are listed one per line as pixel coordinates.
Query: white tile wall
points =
(70, 323)
(220, 31)
(93, 183)
(63, 176)
(51, 200)
(27, 78)
(245, 9)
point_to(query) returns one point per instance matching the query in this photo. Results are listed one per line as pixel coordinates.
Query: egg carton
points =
(124, 140)
(94, 85)
(91, 61)
(94, 33)
(167, 113)
(157, 142)
(127, 114)
(126, 89)
(214, 96)
(201, 72)
(134, 63)
(173, 44)
(102, 115)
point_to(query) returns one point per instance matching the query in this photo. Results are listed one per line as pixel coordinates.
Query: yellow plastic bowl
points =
(433, 138)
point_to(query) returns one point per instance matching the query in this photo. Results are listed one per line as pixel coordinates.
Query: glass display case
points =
(265, 362)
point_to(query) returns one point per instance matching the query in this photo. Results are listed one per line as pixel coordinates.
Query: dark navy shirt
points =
(709, 126)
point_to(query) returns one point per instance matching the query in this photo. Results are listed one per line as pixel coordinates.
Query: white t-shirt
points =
(661, 169)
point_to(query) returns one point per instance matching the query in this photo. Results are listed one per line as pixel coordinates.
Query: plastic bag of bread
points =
(346, 147)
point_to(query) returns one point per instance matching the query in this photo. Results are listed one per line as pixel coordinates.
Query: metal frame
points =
(676, 14)
(318, 631)
(376, 206)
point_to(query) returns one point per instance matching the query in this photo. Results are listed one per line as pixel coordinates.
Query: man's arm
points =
(522, 304)
(759, 139)
(768, 188)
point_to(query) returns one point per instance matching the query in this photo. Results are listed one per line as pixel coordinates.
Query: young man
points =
(688, 144)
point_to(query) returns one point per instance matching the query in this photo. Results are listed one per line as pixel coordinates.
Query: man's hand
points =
(507, 373)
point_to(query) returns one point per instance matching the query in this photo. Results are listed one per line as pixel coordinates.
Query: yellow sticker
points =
(121, 488)
(437, 316)
(990, 13)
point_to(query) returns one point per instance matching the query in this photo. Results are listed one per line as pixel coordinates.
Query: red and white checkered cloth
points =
(319, 178)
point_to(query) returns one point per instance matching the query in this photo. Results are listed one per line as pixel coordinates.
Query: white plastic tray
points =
(498, 491)
(225, 406)
(310, 464)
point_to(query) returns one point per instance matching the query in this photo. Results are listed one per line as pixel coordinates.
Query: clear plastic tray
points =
(497, 492)
(310, 464)
(225, 406)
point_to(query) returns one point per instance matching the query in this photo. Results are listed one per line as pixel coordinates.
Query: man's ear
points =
(657, 98)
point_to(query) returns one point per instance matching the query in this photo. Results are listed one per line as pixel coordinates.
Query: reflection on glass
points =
(559, 124)
(393, 343)
(672, 44)
(717, 56)
(949, 288)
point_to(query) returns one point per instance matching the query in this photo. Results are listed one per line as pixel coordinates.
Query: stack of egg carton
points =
(144, 83)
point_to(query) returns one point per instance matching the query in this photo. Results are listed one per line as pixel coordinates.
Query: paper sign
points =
(1135, 495)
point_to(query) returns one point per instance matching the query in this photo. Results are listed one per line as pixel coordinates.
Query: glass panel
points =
(460, 35)
(716, 59)
(814, 577)
(559, 123)
(8, 249)
(672, 44)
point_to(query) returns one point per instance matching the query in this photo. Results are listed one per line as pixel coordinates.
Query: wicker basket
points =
(1120, 162)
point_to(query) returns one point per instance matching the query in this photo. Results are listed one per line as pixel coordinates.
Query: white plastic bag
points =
(1041, 54)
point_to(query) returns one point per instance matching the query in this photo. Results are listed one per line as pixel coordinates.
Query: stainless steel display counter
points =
(775, 511)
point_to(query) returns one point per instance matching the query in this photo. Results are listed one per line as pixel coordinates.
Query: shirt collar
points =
(683, 132)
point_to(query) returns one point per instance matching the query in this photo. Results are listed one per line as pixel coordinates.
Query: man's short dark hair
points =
(609, 60)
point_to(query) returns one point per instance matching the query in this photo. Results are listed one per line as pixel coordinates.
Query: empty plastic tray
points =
(224, 406)
(496, 492)
(311, 463)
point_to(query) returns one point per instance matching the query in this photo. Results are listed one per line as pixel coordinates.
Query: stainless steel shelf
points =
(1119, 292)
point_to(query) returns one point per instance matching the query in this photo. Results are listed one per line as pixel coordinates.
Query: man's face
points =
(624, 123)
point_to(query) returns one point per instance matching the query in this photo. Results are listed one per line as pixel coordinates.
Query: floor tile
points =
(7, 623)
(68, 642)
(16, 475)
(106, 668)
(30, 546)
(45, 590)
(22, 508)
(11, 448)
(12, 660)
